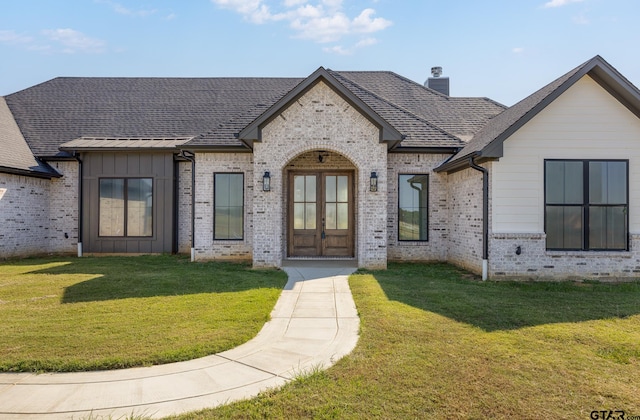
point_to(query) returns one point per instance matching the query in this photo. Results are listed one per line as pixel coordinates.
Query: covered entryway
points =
(320, 213)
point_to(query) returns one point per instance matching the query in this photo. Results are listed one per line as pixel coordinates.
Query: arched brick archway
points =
(320, 206)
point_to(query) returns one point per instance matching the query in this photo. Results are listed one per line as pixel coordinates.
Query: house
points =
(366, 166)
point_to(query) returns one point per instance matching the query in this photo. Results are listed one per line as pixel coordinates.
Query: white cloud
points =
(14, 38)
(337, 49)
(559, 3)
(340, 50)
(322, 29)
(244, 7)
(51, 41)
(321, 21)
(363, 23)
(367, 42)
(122, 10)
(332, 4)
(517, 50)
(581, 19)
(73, 41)
(292, 3)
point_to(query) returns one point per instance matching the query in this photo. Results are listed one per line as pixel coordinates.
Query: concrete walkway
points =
(313, 324)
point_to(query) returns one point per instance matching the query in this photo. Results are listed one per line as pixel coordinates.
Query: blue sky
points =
(502, 49)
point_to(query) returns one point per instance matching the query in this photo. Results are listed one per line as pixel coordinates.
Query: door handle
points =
(322, 235)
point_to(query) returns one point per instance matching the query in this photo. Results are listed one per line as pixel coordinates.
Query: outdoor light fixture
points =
(373, 182)
(266, 181)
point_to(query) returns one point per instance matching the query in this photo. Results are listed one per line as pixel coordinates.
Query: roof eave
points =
(29, 173)
(430, 150)
(617, 86)
(118, 149)
(456, 164)
(209, 148)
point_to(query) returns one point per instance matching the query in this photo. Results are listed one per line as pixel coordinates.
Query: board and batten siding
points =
(585, 122)
(158, 166)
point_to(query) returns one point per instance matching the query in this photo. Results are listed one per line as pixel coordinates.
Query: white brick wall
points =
(63, 209)
(465, 219)
(36, 214)
(205, 246)
(535, 262)
(24, 215)
(184, 208)
(435, 249)
(320, 120)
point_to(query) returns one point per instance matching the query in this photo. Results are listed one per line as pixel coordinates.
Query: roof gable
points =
(253, 131)
(16, 157)
(488, 142)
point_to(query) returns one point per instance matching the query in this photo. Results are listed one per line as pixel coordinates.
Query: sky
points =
(501, 49)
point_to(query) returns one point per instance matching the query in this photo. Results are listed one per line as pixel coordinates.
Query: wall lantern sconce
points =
(266, 181)
(373, 182)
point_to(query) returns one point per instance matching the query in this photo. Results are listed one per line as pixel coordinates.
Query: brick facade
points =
(184, 207)
(435, 249)
(24, 206)
(206, 248)
(320, 120)
(465, 219)
(535, 262)
(207, 164)
(39, 216)
(63, 209)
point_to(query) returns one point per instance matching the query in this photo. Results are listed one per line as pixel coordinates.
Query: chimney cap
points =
(436, 71)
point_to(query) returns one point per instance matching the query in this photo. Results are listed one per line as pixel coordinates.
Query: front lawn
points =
(69, 314)
(436, 343)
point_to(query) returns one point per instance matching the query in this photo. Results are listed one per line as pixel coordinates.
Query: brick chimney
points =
(437, 83)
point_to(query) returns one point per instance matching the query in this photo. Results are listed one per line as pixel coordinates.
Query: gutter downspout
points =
(485, 216)
(192, 158)
(80, 174)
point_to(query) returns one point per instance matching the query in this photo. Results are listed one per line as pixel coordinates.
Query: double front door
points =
(320, 214)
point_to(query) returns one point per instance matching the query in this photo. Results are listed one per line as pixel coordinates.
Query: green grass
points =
(437, 343)
(71, 314)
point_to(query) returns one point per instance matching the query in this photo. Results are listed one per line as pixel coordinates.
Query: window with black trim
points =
(126, 207)
(413, 203)
(228, 213)
(586, 204)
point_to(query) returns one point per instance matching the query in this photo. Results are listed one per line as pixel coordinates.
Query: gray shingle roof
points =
(64, 109)
(214, 110)
(419, 132)
(16, 157)
(459, 116)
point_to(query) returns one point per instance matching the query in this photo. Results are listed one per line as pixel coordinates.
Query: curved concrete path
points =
(313, 324)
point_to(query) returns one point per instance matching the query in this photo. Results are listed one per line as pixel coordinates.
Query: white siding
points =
(585, 122)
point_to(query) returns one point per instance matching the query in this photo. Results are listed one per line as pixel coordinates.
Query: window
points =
(228, 216)
(304, 202)
(337, 202)
(586, 204)
(126, 207)
(413, 191)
